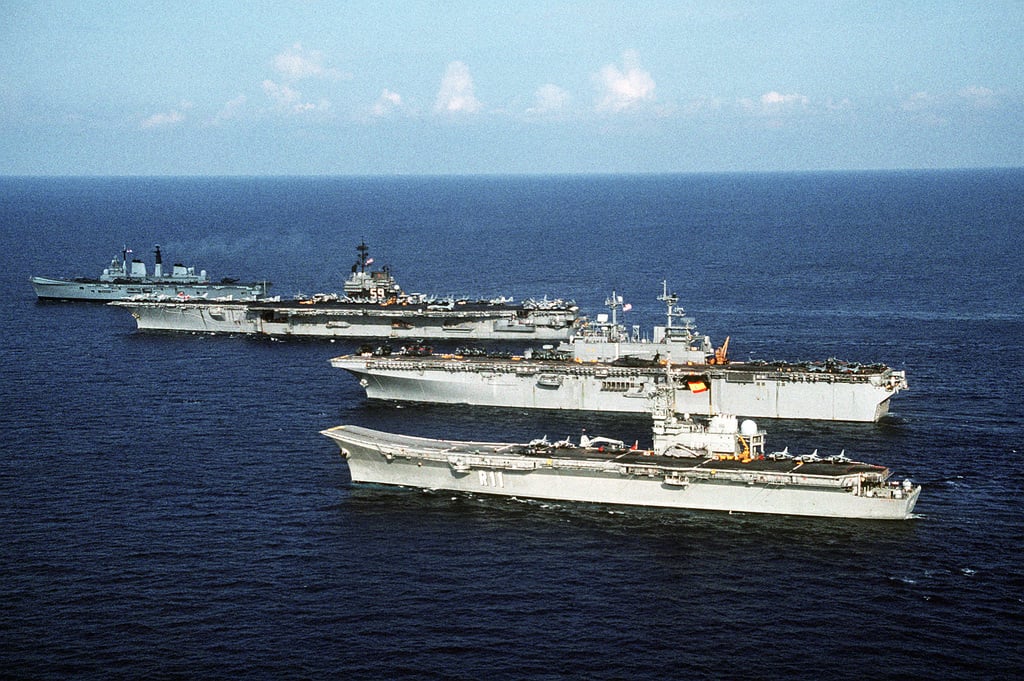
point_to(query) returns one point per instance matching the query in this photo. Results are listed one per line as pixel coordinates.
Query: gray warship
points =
(124, 279)
(601, 368)
(717, 466)
(372, 305)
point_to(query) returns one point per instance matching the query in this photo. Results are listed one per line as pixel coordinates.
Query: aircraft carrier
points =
(601, 369)
(372, 305)
(720, 466)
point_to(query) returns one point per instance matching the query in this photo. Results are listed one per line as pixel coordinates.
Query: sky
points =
(374, 87)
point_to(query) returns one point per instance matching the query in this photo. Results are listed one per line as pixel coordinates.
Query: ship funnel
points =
(138, 268)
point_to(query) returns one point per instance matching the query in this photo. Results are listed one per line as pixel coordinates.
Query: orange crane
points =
(722, 353)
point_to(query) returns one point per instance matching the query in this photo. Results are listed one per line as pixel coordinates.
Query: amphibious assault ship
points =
(720, 466)
(372, 305)
(603, 369)
(122, 280)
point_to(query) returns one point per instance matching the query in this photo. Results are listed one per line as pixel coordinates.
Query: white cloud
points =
(387, 102)
(456, 93)
(159, 120)
(230, 110)
(296, 63)
(282, 95)
(772, 101)
(288, 99)
(625, 88)
(549, 99)
(303, 107)
(166, 118)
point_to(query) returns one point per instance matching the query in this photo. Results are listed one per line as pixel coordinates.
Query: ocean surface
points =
(169, 508)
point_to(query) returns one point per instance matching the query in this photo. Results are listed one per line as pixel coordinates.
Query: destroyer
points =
(373, 305)
(602, 369)
(123, 280)
(717, 467)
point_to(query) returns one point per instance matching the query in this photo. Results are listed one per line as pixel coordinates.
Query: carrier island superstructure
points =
(719, 465)
(372, 305)
(602, 369)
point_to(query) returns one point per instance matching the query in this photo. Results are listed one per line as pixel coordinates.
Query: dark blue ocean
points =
(169, 509)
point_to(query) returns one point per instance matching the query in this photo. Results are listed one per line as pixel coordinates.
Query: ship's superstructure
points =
(606, 340)
(603, 369)
(124, 279)
(719, 466)
(372, 305)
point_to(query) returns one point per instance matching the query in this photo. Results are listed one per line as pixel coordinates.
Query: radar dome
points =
(748, 428)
